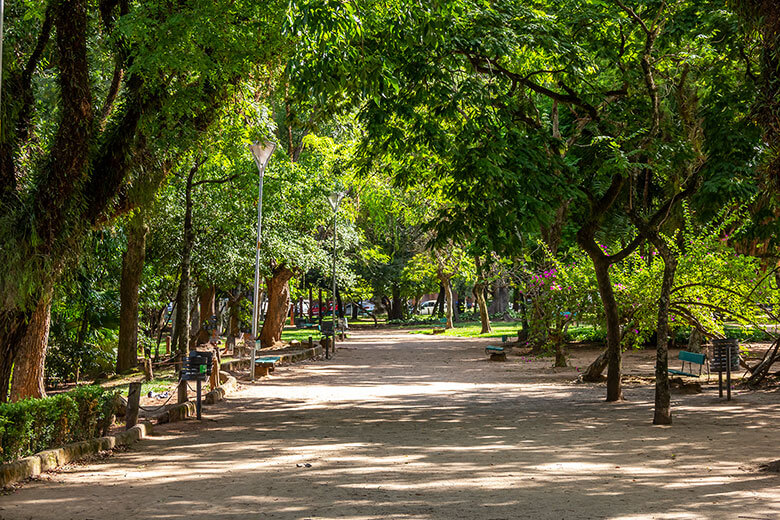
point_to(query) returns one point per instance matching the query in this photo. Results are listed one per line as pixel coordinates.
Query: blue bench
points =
(692, 358)
(496, 353)
(264, 365)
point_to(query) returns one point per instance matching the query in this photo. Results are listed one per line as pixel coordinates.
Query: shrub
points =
(33, 425)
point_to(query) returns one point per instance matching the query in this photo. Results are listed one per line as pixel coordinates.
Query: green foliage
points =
(85, 312)
(564, 292)
(714, 283)
(33, 425)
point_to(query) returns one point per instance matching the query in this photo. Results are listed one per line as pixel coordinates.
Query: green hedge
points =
(33, 425)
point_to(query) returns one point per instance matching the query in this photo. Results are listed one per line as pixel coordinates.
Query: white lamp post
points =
(262, 154)
(334, 199)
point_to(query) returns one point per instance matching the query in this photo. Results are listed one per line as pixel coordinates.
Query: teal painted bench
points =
(264, 365)
(496, 353)
(692, 358)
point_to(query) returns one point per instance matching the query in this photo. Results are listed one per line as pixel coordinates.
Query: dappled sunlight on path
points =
(400, 426)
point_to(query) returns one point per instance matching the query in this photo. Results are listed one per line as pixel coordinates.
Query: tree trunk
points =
(31, 355)
(395, 312)
(208, 309)
(233, 328)
(183, 303)
(663, 407)
(311, 305)
(614, 352)
(132, 269)
(592, 374)
(446, 284)
(438, 307)
(339, 303)
(278, 305)
(560, 352)
(320, 311)
(455, 302)
(13, 326)
(695, 341)
(484, 316)
(479, 295)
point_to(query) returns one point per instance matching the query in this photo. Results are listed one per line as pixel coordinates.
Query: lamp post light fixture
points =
(334, 199)
(262, 154)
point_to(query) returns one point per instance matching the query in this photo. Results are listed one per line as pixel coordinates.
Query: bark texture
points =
(29, 363)
(278, 305)
(663, 407)
(448, 299)
(132, 269)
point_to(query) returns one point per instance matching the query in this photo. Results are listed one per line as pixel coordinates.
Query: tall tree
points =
(84, 127)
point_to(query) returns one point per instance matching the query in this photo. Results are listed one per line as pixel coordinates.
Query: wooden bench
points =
(692, 358)
(264, 365)
(496, 353)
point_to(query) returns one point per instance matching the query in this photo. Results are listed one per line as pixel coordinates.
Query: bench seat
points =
(692, 358)
(496, 353)
(265, 365)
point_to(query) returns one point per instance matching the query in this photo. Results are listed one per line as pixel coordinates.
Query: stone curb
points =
(289, 357)
(177, 413)
(222, 390)
(50, 459)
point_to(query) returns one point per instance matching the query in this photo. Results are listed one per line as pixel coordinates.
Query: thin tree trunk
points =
(339, 303)
(446, 284)
(479, 295)
(132, 269)
(183, 303)
(207, 305)
(278, 305)
(560, 352)
(233, 326)
(593, 374)
(663, 406)
(484, 316)
(311, 305)
(614, 351)
(31, 355)
(438, 308)
(395, 312)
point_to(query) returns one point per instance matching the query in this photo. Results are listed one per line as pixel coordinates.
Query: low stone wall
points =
(50, 459)
(228, 385)
(286, 357)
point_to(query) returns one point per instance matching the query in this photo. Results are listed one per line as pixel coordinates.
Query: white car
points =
(428, 307)
(363, 308)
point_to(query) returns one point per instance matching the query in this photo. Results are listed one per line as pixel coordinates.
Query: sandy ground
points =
(421, 427)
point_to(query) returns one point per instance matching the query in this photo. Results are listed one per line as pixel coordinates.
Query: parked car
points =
(326, 308)
(428, 307)
(364, 307)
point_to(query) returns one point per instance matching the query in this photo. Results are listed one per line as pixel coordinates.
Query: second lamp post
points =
(334, 199)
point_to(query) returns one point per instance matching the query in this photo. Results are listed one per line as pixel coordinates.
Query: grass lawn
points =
(302, 335)
(472, 330)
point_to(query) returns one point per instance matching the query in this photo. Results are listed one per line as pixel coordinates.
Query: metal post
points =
(262, 154)
(198, 402)
(256, 302)
(728, 374)
(333, 349)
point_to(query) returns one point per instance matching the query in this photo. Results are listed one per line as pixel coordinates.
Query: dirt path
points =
(412, 427)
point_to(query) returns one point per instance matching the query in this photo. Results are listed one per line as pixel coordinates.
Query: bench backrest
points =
(692, 357)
